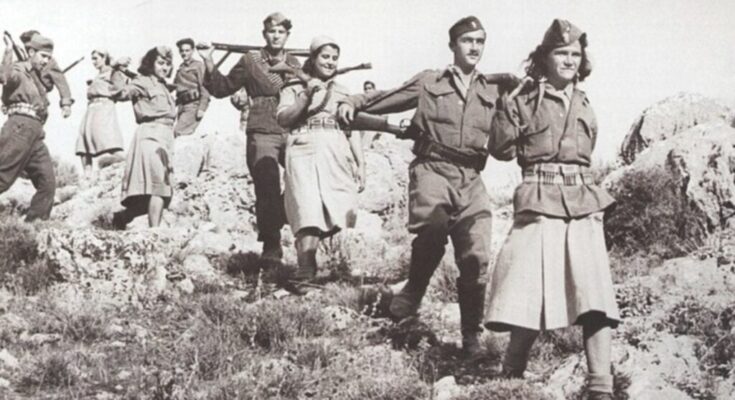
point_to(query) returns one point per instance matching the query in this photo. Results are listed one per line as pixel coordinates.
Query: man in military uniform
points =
(192, 98)
(265, 138)
(447, 197)
(21, 139)
(50, 76)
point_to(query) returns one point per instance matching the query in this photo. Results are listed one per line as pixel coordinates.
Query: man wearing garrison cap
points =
(265, 138)
(21, 139)
(192, 98)
(50, 76)
(447, 197)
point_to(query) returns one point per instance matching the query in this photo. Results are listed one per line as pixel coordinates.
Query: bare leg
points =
(516, 356)
(155, 211)
(87, 165)
(597, 348)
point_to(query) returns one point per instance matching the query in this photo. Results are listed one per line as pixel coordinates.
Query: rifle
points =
(283, 67)
(20, 53)
(508, 80)
(363, 121)
(241, 48)
(72, 65)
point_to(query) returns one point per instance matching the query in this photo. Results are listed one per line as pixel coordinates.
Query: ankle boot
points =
(471, 308)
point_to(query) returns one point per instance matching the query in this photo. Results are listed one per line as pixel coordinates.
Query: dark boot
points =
(424, 260)
(599, 396)
(471, 308)
(272, 249)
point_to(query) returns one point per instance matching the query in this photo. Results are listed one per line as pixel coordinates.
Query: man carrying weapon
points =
(21, 139)
(192, 98)
(447, 197)
(51, 76)
(265, 138)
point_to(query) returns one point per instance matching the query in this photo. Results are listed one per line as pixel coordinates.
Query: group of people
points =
(552, 271)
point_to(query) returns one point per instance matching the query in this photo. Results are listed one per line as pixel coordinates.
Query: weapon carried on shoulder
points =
(363, 121)
(283, 67)
(72, 65)
(507, 81)
(20, 52)
(241, 48)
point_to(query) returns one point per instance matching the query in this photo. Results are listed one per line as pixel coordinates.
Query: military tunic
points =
(21, 140)
(265, 138)
(555, 253)
(191, 96)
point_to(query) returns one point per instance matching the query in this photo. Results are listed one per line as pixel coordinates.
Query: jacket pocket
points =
(441, 105)
(585, 140)
(537, 142)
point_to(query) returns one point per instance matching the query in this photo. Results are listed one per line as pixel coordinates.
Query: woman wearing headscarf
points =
(99, 132)
(147, 181)
(325, 167)
(553, 270)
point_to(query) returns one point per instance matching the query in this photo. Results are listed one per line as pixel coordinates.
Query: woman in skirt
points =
(553, 270)
(100, 132)
(325, 168)
(147, 182)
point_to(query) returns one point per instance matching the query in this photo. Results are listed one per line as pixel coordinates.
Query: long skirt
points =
(99, 132)
(320, 188)
(552, 273)
(148, 169)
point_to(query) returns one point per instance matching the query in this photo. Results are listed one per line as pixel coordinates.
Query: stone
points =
(340, 318)
(4, 383)
(13, 323)
(446, 388)
(189, 156)
(669, 118)
(7, 360)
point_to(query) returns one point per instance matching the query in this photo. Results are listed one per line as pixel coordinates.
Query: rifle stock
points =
(283, 67)
(19, 53)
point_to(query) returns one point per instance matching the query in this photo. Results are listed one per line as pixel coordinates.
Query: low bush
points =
(653, 217)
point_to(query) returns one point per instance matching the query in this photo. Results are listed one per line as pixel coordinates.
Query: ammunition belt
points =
(428, 148)
(558, 174)
(187, 96)
(24, 109)
(317, 123)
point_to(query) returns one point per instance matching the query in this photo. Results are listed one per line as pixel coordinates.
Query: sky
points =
(643, 51)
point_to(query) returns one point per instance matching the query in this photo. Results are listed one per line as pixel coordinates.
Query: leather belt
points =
(24, 109)
(317, 123)
(424, 147)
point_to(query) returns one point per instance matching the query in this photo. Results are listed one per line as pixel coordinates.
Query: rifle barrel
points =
(242, 48)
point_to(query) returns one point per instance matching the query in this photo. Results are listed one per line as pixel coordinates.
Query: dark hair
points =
(368, 83)
(184, 41)
(147, 64)
(309, 64)
(106, 56)
(535, 64)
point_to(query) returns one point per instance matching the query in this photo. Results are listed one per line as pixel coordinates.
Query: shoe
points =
(119, 221)
(471, 347)
(405, 304)
(599, 396)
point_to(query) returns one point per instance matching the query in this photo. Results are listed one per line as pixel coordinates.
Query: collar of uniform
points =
(268, 58)
(452, 69)
(26, 65)
(553, 92)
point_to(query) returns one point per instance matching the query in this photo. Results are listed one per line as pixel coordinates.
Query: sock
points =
(602, 383)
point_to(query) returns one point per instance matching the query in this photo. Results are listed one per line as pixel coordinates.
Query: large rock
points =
(669, 118)
(701, 162)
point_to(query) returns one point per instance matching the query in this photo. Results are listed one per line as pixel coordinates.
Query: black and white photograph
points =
(367, 200)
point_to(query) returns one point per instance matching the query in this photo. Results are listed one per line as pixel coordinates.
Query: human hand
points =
(65, 111)
(200, 115)
(205, 50)
(346, 113)
(315, 85)
(121, 63)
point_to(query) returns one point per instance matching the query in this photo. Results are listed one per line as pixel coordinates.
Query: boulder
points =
(700, 162)
(668, 118)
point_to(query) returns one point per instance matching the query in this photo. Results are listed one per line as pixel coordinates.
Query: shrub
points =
(20, 268)
(50, 371)
(66, 174)
(652, 216)
(273, 324)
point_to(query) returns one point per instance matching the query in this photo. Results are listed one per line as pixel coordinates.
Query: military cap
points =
(320, 41)
(275, 19)
(184, 41)
(464, 25)
(562, 33)
(26, 36)
(41, 43)
(165, 52)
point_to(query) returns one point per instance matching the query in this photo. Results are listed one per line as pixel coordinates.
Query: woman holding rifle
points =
(325, 167)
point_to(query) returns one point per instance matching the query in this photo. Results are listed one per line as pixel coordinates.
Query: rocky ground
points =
(188, 311)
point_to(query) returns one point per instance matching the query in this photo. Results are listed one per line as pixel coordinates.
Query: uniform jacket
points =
(101, 85)
(545, 132)
(262, 86)
(190, 77)
(443, 113)
(50, 76)
(337, 93)
(150, 96)
(22, 84)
